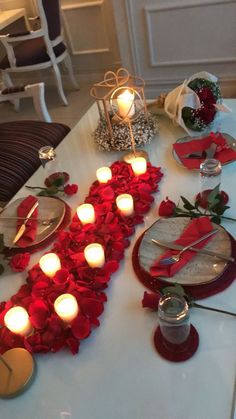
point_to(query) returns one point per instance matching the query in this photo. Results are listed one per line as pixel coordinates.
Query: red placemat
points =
(176, 353)
(34, 248)
(194, 291)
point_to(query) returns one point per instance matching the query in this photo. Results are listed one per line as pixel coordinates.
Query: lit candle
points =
(125, 103)
(86, 213)
(50, 264)
(17, 321)
(139, 165)
(104, 174)
(94, 255)
(125, 204)
(66, 307)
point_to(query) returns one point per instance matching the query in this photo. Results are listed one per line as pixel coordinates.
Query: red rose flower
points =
(71, 189)
(167, 208)
(151, 300)
(19, 262)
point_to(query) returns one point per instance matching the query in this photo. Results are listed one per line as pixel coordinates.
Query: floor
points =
(79, 102)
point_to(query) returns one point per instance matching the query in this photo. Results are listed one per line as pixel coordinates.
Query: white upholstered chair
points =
(39, 49)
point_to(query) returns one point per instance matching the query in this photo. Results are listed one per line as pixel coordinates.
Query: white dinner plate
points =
(48, 208)
(230, 140)
(201, 269)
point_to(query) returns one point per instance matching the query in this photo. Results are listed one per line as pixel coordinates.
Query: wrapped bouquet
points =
(193, 105)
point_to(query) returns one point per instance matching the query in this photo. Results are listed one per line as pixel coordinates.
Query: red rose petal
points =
(80, 327)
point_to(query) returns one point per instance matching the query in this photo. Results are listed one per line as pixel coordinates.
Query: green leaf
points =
(216, 219)
(214, 195)
(49, 191)
(59, 181)
(187, 204)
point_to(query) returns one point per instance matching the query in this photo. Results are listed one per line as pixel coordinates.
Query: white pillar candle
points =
(86, 213)
(139, 165)
(66, 307)
(17, 320)
(125, 103)
(94, 255)
(50, 264)
(104, 174)
(125, 204)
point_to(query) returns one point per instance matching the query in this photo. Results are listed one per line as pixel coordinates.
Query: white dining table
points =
(117, 373)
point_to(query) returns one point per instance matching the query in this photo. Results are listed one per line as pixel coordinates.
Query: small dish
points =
(202, 269)
(49, 207)
(230, 141)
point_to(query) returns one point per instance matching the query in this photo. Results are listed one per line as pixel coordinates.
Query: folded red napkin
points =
(223, 152)
(31, 226)
(197, 228)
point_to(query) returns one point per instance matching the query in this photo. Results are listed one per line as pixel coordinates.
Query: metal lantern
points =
(124, 121)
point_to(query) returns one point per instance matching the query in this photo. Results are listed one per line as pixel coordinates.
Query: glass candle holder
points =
(50, 264)
(173, 316)
(139, 165)
(86, 213)
(210, 176)
(47, 156)
(66, 307)
(17, 321)
(125, 204)
(94, 255)
(104, 174)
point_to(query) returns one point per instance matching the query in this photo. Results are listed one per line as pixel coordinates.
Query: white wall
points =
(170, 40)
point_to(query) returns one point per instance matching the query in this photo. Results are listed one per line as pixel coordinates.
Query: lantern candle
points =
(139, 165)
(50, 264)
(17, 321)
(94, 255)
(125, 204)
(125, 103)
(104, 174)
(86, 213)
(66, 307)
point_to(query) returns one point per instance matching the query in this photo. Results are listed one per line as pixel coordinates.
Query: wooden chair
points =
(40, 49)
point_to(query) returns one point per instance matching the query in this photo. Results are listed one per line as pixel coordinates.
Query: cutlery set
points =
(174, 246)
(46, 222)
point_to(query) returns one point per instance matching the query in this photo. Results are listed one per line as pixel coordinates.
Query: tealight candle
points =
(125, 103)
(94, 255)
(17, 321)
(86, 213)
(66, 307)
(139, 165)
(104, 174)
(125, 204)
(50, 264)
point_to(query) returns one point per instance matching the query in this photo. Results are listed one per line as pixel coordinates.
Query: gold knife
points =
(174, 246)
(22, 228)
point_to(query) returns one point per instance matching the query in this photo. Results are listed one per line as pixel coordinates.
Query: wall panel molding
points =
(162, 8)
(72, 39)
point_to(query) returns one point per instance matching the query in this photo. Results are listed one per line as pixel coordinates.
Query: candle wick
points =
(6, 364)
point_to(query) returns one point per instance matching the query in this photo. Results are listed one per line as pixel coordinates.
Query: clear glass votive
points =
(173, 316)
(210, 176)
(47, 156)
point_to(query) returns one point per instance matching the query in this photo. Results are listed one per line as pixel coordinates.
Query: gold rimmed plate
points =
(201, 269)
(230, 141)
(48, 208)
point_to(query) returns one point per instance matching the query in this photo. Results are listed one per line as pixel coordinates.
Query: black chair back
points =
(52, 13)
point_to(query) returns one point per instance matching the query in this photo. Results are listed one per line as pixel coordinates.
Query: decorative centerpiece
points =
(124, 121)
(194, 104)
